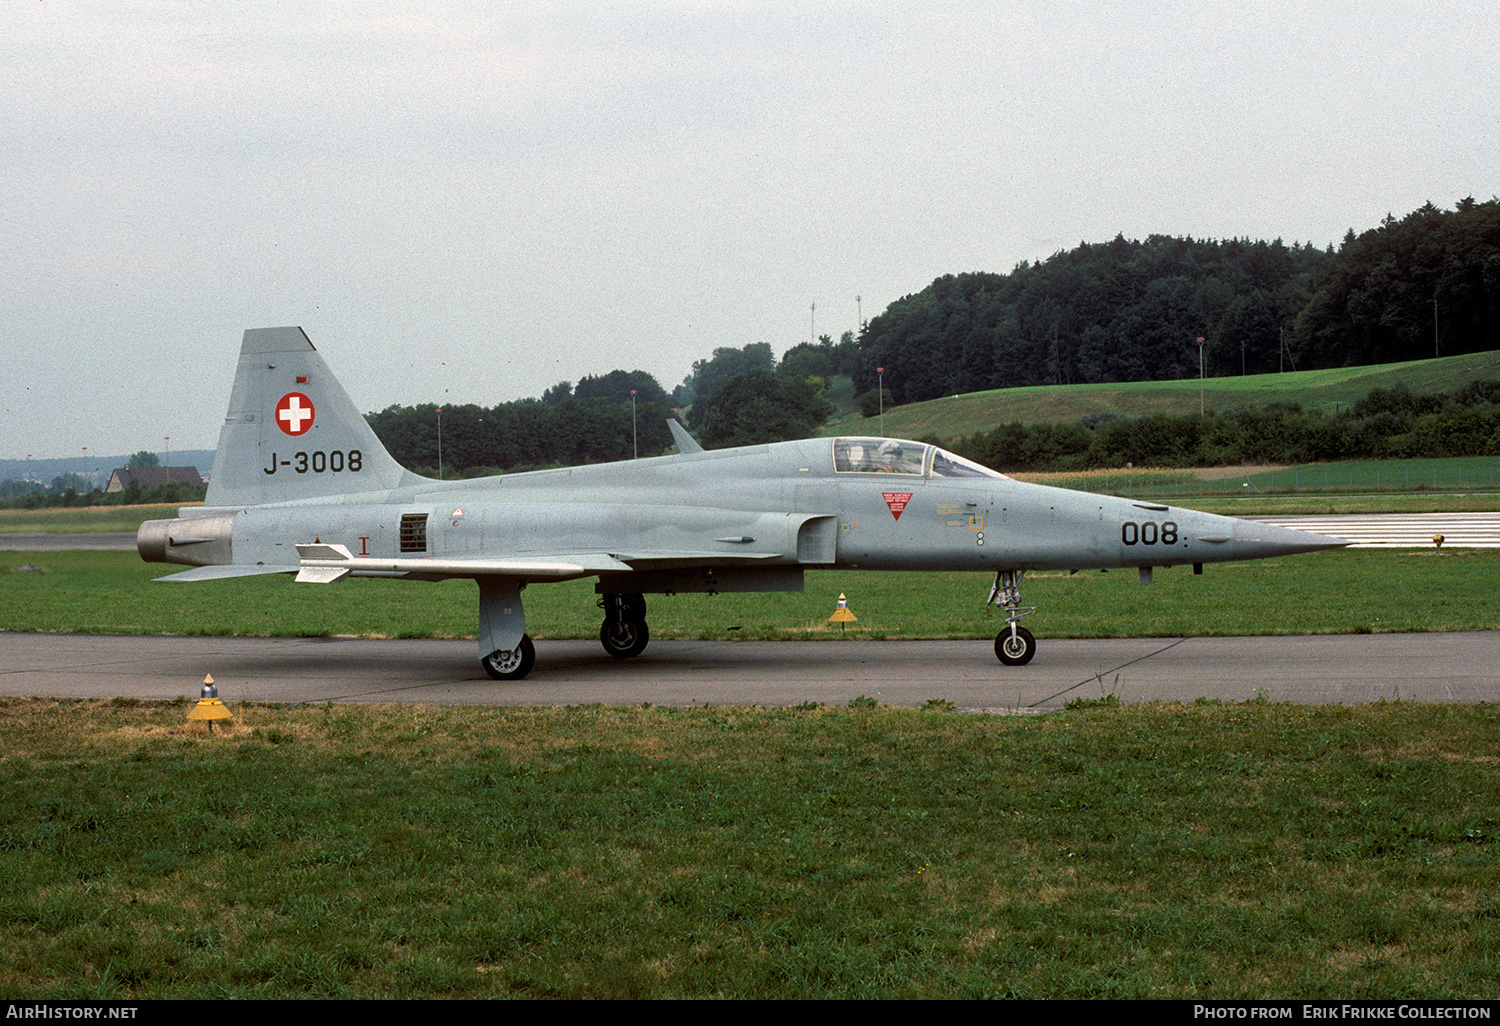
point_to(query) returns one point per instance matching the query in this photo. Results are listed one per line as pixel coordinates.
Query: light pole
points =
(635, 452)
(440, 442)
(1200, 375)
(880, 387)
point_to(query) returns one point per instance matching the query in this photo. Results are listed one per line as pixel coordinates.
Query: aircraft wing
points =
(324, 564)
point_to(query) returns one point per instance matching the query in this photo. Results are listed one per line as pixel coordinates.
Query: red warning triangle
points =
(896, 501)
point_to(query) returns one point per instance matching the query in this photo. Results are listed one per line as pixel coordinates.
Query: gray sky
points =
(461, 204)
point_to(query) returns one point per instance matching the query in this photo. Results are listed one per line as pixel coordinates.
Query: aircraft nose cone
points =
(1253, 540)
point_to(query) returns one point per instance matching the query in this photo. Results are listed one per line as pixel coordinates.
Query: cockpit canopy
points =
(897, 456)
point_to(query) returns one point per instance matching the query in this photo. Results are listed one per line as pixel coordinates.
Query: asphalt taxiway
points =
(1347, 669)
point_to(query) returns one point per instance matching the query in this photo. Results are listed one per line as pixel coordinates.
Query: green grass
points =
(1315, 502)
(1348, 591)
(82, 519)
(1215, 850)
(1467, 482)
(1327, 390)
(1452, 474)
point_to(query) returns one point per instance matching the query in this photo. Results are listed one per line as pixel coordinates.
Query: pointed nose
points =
(1254, 540)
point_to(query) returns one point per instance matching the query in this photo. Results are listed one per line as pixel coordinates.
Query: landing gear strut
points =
(624, 634)
(1014, 645)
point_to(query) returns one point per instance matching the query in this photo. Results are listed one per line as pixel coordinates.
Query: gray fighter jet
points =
(301, 485)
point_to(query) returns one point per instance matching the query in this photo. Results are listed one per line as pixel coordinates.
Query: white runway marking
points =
(1400, 530)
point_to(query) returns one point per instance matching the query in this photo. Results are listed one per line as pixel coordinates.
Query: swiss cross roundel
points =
(294, 413)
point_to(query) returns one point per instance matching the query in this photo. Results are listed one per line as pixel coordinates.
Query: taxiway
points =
(1350, 669)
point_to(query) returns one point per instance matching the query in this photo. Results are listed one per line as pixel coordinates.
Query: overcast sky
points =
(461, 204)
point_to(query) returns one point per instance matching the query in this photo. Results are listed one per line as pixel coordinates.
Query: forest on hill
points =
(1426, 284)
(1124, 310)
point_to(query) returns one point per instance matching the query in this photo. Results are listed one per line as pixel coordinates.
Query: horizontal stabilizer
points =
(215, 573)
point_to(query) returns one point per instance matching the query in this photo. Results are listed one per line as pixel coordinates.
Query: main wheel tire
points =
(1017, 649)
(512, 665)
(625, 638)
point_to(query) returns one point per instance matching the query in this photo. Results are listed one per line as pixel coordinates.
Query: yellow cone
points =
(841, 613)
(209, 707)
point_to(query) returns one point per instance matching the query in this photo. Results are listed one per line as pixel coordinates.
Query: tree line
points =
(559, 430)
(73, 489)
(735, 397)
(67, 490)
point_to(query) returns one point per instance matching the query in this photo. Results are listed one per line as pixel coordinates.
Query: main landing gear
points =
(502, 620)
(624, 634)
(513, 664)
(505, 649)
(1014, 645)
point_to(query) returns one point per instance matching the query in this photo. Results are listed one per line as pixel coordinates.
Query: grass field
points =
(952, 418)
(1244, 850)
(1347, 591)
(1467, 482)
(80, 519)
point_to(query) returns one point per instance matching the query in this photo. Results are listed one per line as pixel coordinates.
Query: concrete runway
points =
(1400, 530)
(1349, 669)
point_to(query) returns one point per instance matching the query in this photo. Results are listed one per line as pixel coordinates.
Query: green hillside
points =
(960, 416)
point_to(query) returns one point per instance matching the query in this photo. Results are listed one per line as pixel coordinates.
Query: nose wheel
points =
(1014, 645)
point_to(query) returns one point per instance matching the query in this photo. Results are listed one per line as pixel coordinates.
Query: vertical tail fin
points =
(292, 432)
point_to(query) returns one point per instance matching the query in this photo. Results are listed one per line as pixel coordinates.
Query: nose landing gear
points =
(1014, 645)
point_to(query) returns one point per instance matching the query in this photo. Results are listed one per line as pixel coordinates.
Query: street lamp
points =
(440, 442)
(635, 452)
(1200, 375)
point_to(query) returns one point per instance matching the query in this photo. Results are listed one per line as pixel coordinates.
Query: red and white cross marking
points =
(294, 413)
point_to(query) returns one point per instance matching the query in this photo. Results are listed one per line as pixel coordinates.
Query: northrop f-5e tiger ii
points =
(302, 486)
